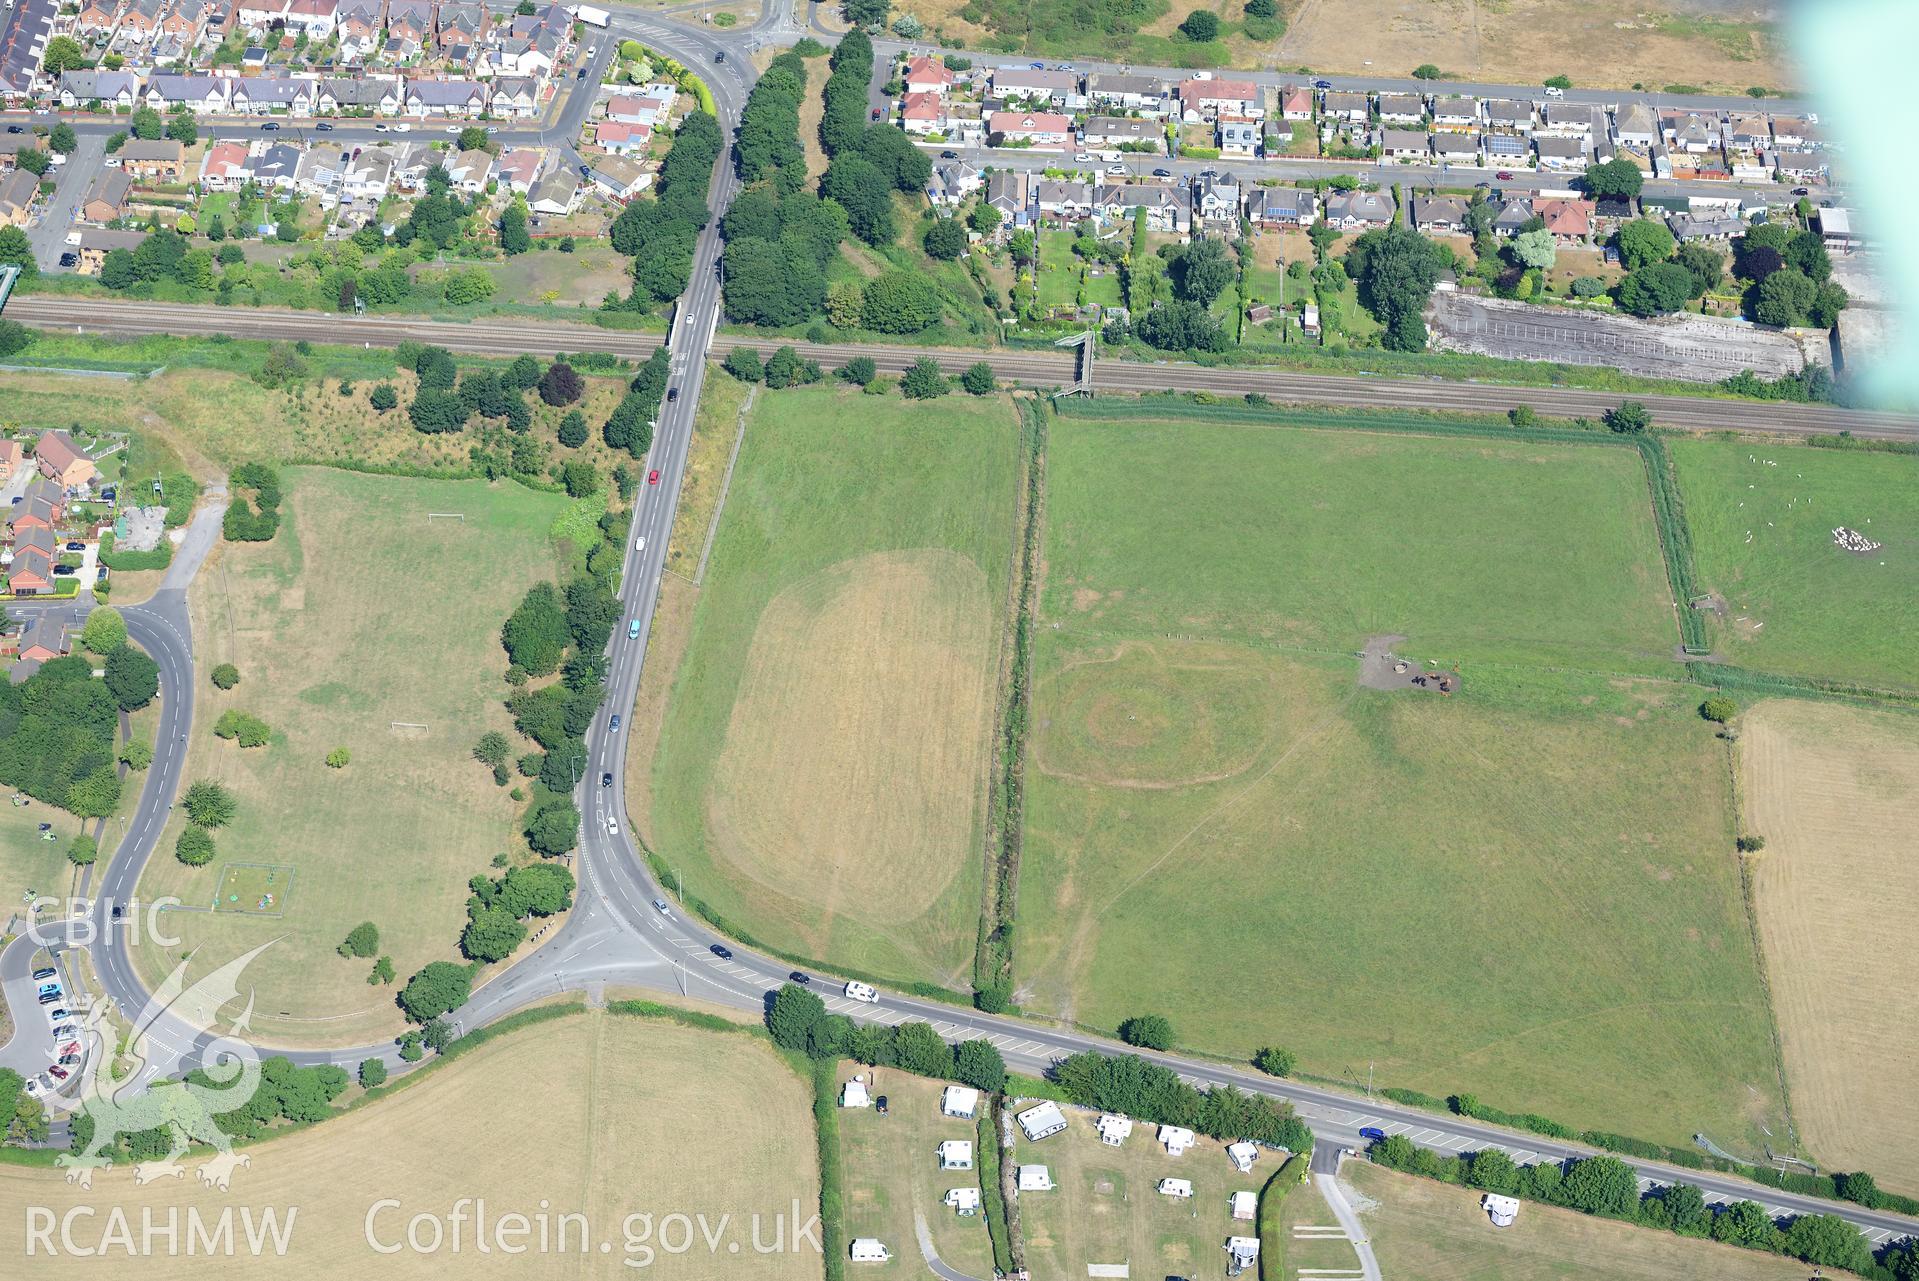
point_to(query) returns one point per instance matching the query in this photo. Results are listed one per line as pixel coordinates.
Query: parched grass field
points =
(893, 1178)
(1318, 539)
(1437, 1232)
(1464, 892)
(1762, 518)
(1104, 1206)
(361, 612)
(1835, 792)
(636, 1117)
(1299, 1250)
(820, 776)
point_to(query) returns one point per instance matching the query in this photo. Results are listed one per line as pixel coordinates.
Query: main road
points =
(1040, 369)
(622, 930)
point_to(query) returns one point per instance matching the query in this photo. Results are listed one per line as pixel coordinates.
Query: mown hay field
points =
(1762, 518)
(1835, 792)
(820, 777)
(360, 613)
(635, 1117)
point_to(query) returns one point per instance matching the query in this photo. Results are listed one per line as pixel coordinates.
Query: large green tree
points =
(1643, 242)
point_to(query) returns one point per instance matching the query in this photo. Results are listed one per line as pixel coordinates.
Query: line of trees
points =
(660, 234)
(797, 1020)
(867, 162)
(630, 425)
(1607, 1187)
(1128, 1084)
(768, 143)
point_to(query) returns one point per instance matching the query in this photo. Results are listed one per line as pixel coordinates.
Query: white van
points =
(858, 991)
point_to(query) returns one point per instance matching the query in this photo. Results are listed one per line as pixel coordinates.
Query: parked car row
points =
(66, 1036)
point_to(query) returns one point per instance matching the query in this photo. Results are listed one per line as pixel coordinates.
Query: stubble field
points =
(820, 775)
(360, 613)
(645, 1118)
(1462, 892)
(1835, 792)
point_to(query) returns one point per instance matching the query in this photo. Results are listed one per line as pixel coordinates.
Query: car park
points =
(722, 951)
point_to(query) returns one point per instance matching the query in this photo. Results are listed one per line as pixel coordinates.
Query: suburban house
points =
(1006, 191)
(1509, 114)
(97, 242)
(1576, 118)
(555, 195)
(381, 97)
(1112, 91)
(1281, 206)
(11, 456)
(1064, 199)
(1561, 153)
(1217, 200)
(1836, 229)
(277, 165)
(46, 638)
(445, 98)
(19, 188)
(1352, 108)
(1513, 216)
(43, 504)
(1792, 131)
(1295, 103)
(1405, 144)
(1031, 84)
(1635, 125)
(1687, 227)
(1439, 215)
(1238, 137)
(952, 182)
(460, 24)
(106, 199)
(1109, 133)
(619, 139)
(928, 75)
(61, 461)
(1040, 128)
(1612, 209)
(34, 554)
(470, 170)
(515, 96)
(1504, 148)
(1689, 131)
(1349, 210)
(409, 19)
(202, 95)
(923, 112)
(1205, 99)
(1797, 162)
(264, 95)
(113, 90)
(1570, 221)
(1402, 108)
(620, 177)
(1751, 134)
(1169, 209)
(1455, 112)
(161, 160)
(94, 19)
(1456, 148)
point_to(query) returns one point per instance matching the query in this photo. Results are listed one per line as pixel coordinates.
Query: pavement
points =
(615, 935)
(1043, 369)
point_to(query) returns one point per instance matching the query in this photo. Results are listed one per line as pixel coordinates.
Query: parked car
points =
(659, 905)
(402, 128)
(46, 972)
(451, 129)
(58, 1073)
(1036, 66)
(71, 1047)
(64, 570)
(65, 1029)
(1372, 1134)
(876, 113)
(653, 477)
(48, 998)
(36, 1088)
(69, 259)
(74, 547)
(69, 1060)
(1554, 91)
(49, 991)
(15, 129)
(1082, 158)
(58, 1015)
(800, 977)
(722, 951)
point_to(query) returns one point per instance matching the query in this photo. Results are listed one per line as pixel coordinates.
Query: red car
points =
(71, 1047)
(58, 1073)
(1504, 175)
(653, 477)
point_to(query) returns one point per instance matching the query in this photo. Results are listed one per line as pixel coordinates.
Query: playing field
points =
(1470, 548)
(894, 1183)
(1105, 1208)
(1437, 1232)
(637, 1118)
(361, 613)
(1458, 891)
(1762, 520)
(820, 777)
(1835, 792)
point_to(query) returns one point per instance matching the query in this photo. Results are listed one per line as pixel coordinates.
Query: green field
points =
(1470, 548)
(820, 775)
(1463, 892)
(359, 614)
(1762, 518)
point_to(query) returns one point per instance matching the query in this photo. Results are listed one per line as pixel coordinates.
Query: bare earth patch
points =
(852, 767)
(1835, 792)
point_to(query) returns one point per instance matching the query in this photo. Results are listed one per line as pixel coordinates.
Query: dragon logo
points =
(172, 1034)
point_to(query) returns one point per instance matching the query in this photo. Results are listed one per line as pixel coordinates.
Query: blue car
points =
(1372, 1134)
